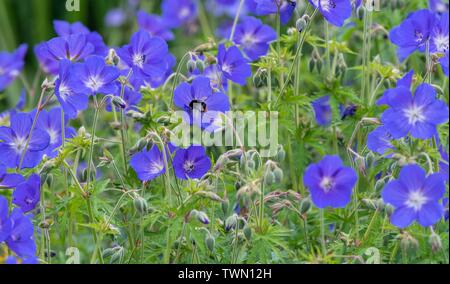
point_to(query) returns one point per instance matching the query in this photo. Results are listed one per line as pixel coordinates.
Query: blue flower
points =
(9, 180)
(438, 6)
(406, 82)
(233, 65)
(148, 165)
(5, 222)
(50, 122)
(11, 64)
(13, 140)
(439, 36)
(418, 115)
(147, 57)
(267, 7)
(15, 260)
(443, 163)
(177, 13)
(64, 29)
(191, 163)
(154, 25)
(322, 110)
(115, 18)
(379, 141)
(334, 11)
(330, 182)
(254, 37)
(71, 101)
(73, 48)
(199, 101)
(94, 77)
(20, 239)
(27, 194)
(444, 63)
(413, 33)
(415, 197)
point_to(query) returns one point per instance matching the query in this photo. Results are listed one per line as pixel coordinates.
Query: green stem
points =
(236, 20)
(322, 232)
(91, 146)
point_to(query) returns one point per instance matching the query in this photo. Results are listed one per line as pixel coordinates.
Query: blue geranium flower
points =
(148, 165)
(418, 115)
(444, 63)
(254, 37)
(233, 65)
(15, 260)
(71, 101)
(13, 141)
(27, 194)
(11, 64)
(379, 141)
(94, 77)
(334, 11)
(8, 180)
(147, 57)
(438, 6)
(74, 47)
(191, 163)
(51, 123)
(200, 102)
(415, 197)
(177, 13)
(405, 82)
(330, 182)
(267, 7)
(20, 239)
(5, 222)
(439, 36)
(322, 110)
(443, 163)
(154, 25)
(413, 33)
(130, 97)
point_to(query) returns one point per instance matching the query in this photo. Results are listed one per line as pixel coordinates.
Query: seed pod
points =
(140, 204)
(210, 242)
(248, 232)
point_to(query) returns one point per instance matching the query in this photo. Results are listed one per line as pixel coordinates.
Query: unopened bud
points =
(231, 222)
(435, 242)
(248, 232)
(300, 25)
(119, 102)
(191, 65)
(210, 242)
(141, 205)
(278, 173)
(305, 205)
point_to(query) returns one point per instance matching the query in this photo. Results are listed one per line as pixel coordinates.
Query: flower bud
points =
(248, 232)
(141, 205)
(119, 102)
(269, 178)
(300, 24)
(305, 205)
(210, 242)
(49, 180)
(409, 244)
(200, 216)
(435, 242)
(281, 155)
(200, 66)
(231, 222)
(191, 65)
(225, 206)
(278, 173)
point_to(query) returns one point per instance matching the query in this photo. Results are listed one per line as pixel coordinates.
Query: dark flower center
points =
(198, 105)
(188, 166)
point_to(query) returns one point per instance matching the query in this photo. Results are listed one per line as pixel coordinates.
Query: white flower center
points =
(248, 40)
(184, 12)
(327, 5)
(226, 68)
(53, 135)
(138, 60)
(155, 167)
(19, 144)
(94, 83)
(414, 114)
(441, 42)
(326, 184)
(416, 200)
(63, 91)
